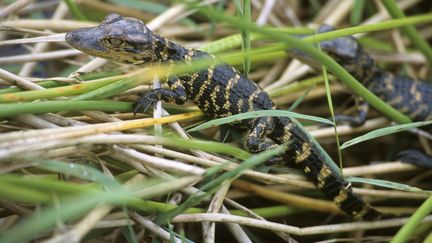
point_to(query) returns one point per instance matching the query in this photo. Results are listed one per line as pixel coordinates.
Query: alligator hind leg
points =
(258, 141)
(415, 157)
(357, 119)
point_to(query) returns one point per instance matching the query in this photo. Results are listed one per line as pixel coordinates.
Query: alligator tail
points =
(308, 157)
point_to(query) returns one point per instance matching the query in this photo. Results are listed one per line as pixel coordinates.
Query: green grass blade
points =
(384, 25)
(255, 114)
(48, 185)
(71, 90)
(427, 240)
(387, 184)
(245, 33)
(208, 146)
(297, 86)
(77, 206)
(146, 6)
(301, 98)
(10, 191)
(238, 6)
(234, 41)
(357, 12)
(383, 132)
(415, 38)
(74, 9)
(332, 113)
(45, 84)
(57, 106)
(81, 171)
(323, 58)
(404, 234)
(214, 184)
(110, 89)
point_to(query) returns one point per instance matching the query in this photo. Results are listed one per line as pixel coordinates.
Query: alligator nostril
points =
(72, 37)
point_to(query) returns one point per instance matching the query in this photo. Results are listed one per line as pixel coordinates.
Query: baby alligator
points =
(219, 91)
(411, 97)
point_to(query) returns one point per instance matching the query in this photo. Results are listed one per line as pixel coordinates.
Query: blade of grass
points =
(82, 88)
(47, 218)
(81, 171)
(40, 190)
(269, 212)
(45, 84)
(357, 11)
(301, 98)
(415, 38)
(255, 114)
(214, 184)
(142, 5)
(404, 234)
(332, 113)
(12, 192)
(384, 25)
(246, 41)
(297, 86)
(110, 89)
(208, 146)
(71, 90)
(383, 132)
(49, 184)
(238, 6)
(319, 56)
(41, 107)
(74, 9)
(234, 41)
(387, 184)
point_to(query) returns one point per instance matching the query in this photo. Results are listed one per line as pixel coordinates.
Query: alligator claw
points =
(143, 103)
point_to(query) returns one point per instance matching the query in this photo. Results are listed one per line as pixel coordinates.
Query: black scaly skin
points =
(219, 91)
(411, 97)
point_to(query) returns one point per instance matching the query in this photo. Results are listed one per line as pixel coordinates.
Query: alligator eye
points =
(115, 41)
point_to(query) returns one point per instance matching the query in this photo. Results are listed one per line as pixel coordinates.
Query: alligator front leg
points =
(177, 94)
(257, 140)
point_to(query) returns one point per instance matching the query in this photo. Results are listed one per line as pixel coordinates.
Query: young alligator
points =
(411, 97)
(219, 91)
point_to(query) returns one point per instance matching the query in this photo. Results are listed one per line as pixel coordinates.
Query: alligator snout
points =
(73, 39)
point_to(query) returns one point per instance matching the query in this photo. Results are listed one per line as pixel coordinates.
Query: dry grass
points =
(153, 171)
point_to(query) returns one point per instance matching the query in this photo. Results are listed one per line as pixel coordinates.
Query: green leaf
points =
(208, 146)
(238, 5)
(77, 206)
(383, 132)
(75, 10)
(307, 48)
(413, 35)
(40, 107)
(10, 191)
(406, 232)
(330, 106)
(387, 184)
(214, 184)
(357, 11)
(246, 38)
(255, 114)
(85, 172)
(146, 6)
